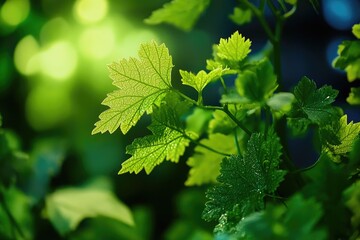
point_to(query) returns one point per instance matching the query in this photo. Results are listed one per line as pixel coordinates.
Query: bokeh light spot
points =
(14, 12)
(47, 107)
(97, 42)
(54, 29)
(90, 11)
(59, 60)
(26, 56)
(341, 14)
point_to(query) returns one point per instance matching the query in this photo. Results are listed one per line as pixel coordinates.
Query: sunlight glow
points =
(59, 60)
(97, 42)
(14, 12)
(26, 56)
(90, 11)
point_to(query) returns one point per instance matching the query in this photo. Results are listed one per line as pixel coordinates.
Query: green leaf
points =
(349, 59)
(292, 2)
(345, 135)
(312, 105)
(67, 207)
(296, 220)
(168, 141)
(241, 15)
(198, 121)
(356, 30)
(179, 13)
(244, 182)
(234, 49)
(281, 102)
(142, 83)
(201, 79)
(352, 201)
(258, 82)
(205, 164)
(354, 96)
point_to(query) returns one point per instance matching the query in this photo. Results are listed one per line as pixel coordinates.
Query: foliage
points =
(242, 180)
(240, 144)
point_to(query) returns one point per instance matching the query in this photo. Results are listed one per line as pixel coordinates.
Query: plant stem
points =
(205, 146)
(12, 219)
(242, 126)
(237, 142)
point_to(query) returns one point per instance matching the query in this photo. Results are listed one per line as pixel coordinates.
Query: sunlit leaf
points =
(241, 15)
(349, 59)
(142, 83)
(356, 30)
(67, 207)
(234, 49)
(345, 134)
(354, 96)
(201, 79)
(167, 142)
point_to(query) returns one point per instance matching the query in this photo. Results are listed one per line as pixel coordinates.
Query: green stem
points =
(261, 17)
(12, 219)
(237, 142)
(242, 126)
(223, 84)
(205, 146)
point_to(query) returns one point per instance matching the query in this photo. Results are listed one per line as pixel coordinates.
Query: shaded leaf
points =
(142, 83)
(205, 164)
(354, 96)
(180, 13)
(243, 182)
(281, 102)
(312, 106)
(258, 82)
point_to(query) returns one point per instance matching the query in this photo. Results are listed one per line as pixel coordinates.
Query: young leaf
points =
(257, 83)
(345, 134)
(354, 96)
(142, 83)
(205, 164)
(180, 13)
(312, 105)
(167, 142)
(201, 79)
(66, 208)
(234, 49)
(243, 182)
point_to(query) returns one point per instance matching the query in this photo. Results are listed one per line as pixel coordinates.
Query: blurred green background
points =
(53, 77)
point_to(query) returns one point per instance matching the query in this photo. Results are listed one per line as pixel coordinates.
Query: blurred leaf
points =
(17, 204)
(110, 229)
(244, 182)
(198, 121)
(67, 207)
(142, 83)
(352, 196)
(241, 15)
(167, 142)
(292, 2)
(258, 82)
(329, 179)
(47, 157)
(205, 164)
(297, 220)
(356, 30)
(281, 102)
(180, 13)
(354, 96)
(348, 59)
